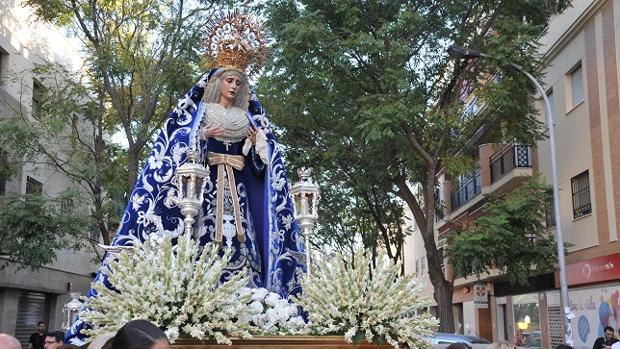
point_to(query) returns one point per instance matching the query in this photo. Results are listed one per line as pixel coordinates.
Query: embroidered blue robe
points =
(277, 249)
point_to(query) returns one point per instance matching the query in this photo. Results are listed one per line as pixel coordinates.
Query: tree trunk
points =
(132, 168)
(424, 216)
(442, 288)
(443, 296)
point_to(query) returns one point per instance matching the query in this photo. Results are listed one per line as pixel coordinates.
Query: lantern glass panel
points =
(297, 199)
(184, 183)
(311, 204)
(198, 187)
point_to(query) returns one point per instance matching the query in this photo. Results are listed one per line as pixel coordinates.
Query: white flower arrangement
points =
(176, 287)
(272, 314)
(360, 300)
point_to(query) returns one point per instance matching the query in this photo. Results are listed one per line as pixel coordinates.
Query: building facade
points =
(27, 296)
(582, 76)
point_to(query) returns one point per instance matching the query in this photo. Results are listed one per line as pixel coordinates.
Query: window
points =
(580, 186)
(33, 186)
(551, 102)
(4, 62)
(440, 254)
(549, 215)
(37, 97)
(576, 86)
(417, 267)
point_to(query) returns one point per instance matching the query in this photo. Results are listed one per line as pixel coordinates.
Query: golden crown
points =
(236, 41)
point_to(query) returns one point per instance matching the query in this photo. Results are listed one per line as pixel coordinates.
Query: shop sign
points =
(481, 296)
(599, 269)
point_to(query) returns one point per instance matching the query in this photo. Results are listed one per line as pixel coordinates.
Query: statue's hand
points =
(211, 131)
(251, 133)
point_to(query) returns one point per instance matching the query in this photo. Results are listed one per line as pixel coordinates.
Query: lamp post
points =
(191, 183)
(306, 197)
(461, 52)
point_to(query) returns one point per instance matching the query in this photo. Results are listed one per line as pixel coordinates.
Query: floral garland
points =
(175, 287)
(362, 299)
(272, 314)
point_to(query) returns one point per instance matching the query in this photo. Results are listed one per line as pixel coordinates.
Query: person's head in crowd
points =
(41, 327)
(54, 340)
(609, 332)
(458, 346)
(9, 342)
(102, 341)
(68, 346)
(140, 334)
(563, 346)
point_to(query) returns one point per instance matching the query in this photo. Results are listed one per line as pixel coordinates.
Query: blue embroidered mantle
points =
(277, 240)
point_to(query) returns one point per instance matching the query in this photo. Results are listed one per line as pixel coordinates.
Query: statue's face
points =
(229, 88)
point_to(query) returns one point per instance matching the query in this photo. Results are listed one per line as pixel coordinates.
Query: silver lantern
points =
(70, 310)
(306, 196)
(191, 181)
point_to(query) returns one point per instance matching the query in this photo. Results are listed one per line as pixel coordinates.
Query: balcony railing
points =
(466, 191)
(508, 159)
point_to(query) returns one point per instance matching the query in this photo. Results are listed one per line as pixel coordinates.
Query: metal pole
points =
(307, 232)
(568, 332)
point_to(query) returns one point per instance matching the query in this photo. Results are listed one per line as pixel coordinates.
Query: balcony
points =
(466, 191)
(504, 161)
(509, 167)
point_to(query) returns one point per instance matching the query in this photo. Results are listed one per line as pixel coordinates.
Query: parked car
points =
(442, 340)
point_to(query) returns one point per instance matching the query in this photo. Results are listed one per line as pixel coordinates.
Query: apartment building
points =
(581, 78)
(29, 296)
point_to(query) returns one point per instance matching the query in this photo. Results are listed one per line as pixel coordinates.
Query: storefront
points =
(526, 313)
(594, 294)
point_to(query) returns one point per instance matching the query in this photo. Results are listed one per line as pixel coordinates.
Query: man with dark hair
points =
(607, 340)
(37, 339)
(54, 340)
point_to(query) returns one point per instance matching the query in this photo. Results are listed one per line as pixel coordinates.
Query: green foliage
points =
(33, 228)
(351, 83)
(143, 54)
(66, 134)
(511, 237)
(366, 94)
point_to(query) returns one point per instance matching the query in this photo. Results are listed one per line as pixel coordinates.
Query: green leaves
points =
(511, 237)
(365, 93)
(33, 228)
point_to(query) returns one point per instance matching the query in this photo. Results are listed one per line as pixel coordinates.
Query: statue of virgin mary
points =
(247, 206)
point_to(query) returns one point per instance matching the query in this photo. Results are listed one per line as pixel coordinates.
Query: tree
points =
(66, 133)
(33, 228)
(511, 237)
(144, 53)
(373, 78)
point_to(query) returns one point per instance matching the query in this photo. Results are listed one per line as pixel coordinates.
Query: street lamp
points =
(461, 52)
(306, 197)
